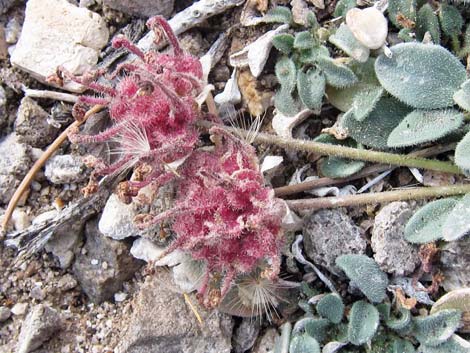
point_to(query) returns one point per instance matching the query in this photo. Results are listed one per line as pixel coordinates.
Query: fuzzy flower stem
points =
(346, 152)
(379, 197)
(373, 169)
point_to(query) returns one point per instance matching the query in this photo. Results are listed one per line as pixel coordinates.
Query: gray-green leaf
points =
(283, 42)
(311, 87)
(462, 154)
(455, 344)
(365, 100)
(437, 328)
(331, 307)
(366, 275)
(462, 96)
(304, 344)
(425, 125)
(279, 14)
(304, 40)
(286, 72)
(363, 322)
(457, 223)
(426, 224)
(427, 22)
(421, 75)
(337, 75)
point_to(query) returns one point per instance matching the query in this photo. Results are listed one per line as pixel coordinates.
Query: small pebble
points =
(67, 282)
(369, 26)
(19, 309)
(37, 293)
(5, 313)
(94, 262)
(104, 265)
(120, 297)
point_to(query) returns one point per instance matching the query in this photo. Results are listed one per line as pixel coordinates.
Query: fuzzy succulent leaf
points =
(462, 96)
(457, 223)
(401, 9)
(374, 130)
(457, 299)
(310, 56)
(304, 344)
(451, 20)
(436, 328)
(311, 87)
(304, 40)
(402, 346)
(366, 275)
(402, 322)
(331, 307)
(455, 344)
(314, 327)
(279, 14)
(337, 75)
(421, 75)
(285, 102)
(286, 73)
(426, 224)
(427, 21)
(365, 100)
(424, 126)
(337, 167)
(345, 40)
(283, 42)
(343, 6)
(462, 154)
(363, 322)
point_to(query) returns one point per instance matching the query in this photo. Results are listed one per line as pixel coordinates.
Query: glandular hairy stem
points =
(379, 197)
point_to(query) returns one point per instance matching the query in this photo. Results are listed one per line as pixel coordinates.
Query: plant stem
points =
(379, 197)
(345, 152)
(379, 168)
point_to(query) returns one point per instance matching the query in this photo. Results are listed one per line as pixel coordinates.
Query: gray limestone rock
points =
(163, 322)
(31, 125)
(104, 265)
(329, 234)
(64, 169)
(455, 259)
(117, 218)
(15, 162)
(142, 8)
(391, 251)
(246, 334)
(40, 324)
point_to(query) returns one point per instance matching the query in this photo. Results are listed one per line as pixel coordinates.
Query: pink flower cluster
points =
(222, 214)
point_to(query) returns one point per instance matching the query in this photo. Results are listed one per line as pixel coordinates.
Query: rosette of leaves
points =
(363, 322)
(366, 275)
(336, 167)
(424, 76)
(305, 70)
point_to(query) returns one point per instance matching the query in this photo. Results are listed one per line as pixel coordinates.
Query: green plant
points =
(331, 307)
(363, 322)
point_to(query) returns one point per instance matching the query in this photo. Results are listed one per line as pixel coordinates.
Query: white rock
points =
(19, 309)
(120, 297)
(64, 169)
(283, 125)
(56, 33)
(369, 26)
(145, 249)
(116, 220)
(21, 219)
(270, 163)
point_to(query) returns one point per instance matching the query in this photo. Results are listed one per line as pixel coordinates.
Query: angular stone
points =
(15, 162)
(31, 124)
(97, 282)
(245, 335)
(142, 8)
(64, 169)
(40, 324)
(117, 219)
(162, 322)
(56, 33)
(329, 234)
(267, 343)
(65, 241)
(455, 260)
(391, 251)
(5, 313)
